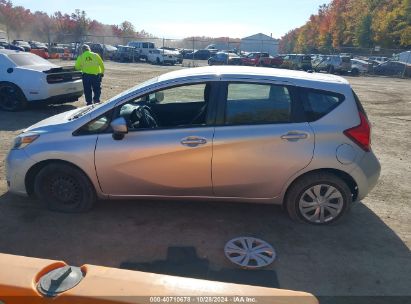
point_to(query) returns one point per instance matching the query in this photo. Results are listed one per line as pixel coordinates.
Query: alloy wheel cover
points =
(249, 252)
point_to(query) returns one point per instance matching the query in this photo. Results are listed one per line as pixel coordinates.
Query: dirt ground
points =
(368, 254)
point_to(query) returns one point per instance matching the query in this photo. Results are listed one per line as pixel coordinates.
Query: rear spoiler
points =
(62, 74)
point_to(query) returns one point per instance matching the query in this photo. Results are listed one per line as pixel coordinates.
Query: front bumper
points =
(17, 165)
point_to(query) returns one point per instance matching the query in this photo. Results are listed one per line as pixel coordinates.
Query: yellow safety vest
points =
(90, 63)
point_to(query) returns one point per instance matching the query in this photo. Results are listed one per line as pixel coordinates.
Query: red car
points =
(261, 59)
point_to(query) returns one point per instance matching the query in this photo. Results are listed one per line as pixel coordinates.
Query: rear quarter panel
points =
(328, 132)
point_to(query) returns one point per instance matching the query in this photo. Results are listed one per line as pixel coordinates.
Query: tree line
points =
(20, 22)
(352, 23)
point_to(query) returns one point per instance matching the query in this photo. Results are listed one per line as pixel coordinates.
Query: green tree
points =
(81, 24)
(127, 29)
(363, 33)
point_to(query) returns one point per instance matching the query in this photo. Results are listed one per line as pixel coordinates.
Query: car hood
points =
(53, 121)
(40, 68)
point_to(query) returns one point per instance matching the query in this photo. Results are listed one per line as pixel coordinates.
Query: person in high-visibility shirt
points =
(92, 67)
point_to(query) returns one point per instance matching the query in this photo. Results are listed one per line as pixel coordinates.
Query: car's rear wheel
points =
(11, 98)
(64, 188)
(318, 198)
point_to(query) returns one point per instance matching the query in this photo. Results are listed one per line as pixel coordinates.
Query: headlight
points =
(23, 140)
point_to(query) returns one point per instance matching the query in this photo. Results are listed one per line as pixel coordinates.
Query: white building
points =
(260, 43)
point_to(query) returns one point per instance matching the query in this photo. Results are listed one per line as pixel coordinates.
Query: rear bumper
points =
(55, 92)
(70, 97)
(366, 174)
(59, 99)
(170, 61)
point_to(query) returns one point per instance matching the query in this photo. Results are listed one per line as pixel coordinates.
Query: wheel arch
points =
(348, 179)
(35, 169)
(13, 84)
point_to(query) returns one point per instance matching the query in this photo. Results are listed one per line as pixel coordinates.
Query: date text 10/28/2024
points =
(203, 299)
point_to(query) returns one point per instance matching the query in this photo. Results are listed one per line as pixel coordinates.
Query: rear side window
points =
(319, 103)
(257, 104)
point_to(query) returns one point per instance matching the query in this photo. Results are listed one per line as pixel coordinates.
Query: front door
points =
(258, 145)
(170, 159)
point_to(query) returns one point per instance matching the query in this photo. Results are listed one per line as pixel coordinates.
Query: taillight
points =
(361, 134)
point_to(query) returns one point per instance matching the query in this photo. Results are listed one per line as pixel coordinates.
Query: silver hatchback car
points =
(241, 134)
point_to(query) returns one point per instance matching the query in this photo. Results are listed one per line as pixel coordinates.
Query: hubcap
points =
(249, 252)
(321, 203)
(65, 189)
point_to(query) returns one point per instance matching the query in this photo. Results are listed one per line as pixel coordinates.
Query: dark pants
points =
(92, 83)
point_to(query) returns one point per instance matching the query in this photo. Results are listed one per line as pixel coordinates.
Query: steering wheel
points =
(148, 119)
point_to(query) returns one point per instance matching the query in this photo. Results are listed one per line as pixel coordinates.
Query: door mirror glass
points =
(159, 96)
(119, 126)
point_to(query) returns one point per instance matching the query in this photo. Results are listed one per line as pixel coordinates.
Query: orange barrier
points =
(19, 277)
(54, 56)
(41, 52)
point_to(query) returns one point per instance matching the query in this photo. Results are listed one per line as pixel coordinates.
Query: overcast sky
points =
(184, 18)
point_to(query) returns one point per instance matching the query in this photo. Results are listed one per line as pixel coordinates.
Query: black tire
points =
(12, 98)
(158, 61)
(355, 72)
(298, 188)
(64, 188)
(331, 69)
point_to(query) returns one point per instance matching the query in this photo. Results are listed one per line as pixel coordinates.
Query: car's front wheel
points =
(318, 198)
(355, 72)
(65, 188)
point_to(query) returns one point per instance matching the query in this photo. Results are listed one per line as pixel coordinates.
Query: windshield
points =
(25, 59)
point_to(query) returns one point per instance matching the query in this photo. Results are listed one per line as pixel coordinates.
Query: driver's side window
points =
(181, 106)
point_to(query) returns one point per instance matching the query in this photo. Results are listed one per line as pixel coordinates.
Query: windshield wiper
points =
(81, 113)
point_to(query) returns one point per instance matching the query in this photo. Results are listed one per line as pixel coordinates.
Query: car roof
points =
(253, 72)
(10, 52)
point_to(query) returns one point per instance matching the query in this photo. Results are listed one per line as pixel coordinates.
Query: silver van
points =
(224, 133)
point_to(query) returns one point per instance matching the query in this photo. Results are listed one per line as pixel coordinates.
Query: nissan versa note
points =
(240, 134)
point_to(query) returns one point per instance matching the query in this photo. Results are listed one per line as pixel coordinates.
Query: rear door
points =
(260, 140)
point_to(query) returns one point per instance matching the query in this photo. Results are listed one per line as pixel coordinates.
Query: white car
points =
(378, 59)
(158, 56)
(359, 66)
(26, 78)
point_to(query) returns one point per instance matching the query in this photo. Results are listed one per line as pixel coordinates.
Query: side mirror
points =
(119, 126)
(159, 96)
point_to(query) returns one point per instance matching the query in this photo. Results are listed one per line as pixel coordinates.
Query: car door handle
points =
(193, 141)
(294, 136)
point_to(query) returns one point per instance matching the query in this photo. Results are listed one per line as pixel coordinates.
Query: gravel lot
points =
(368, 254)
